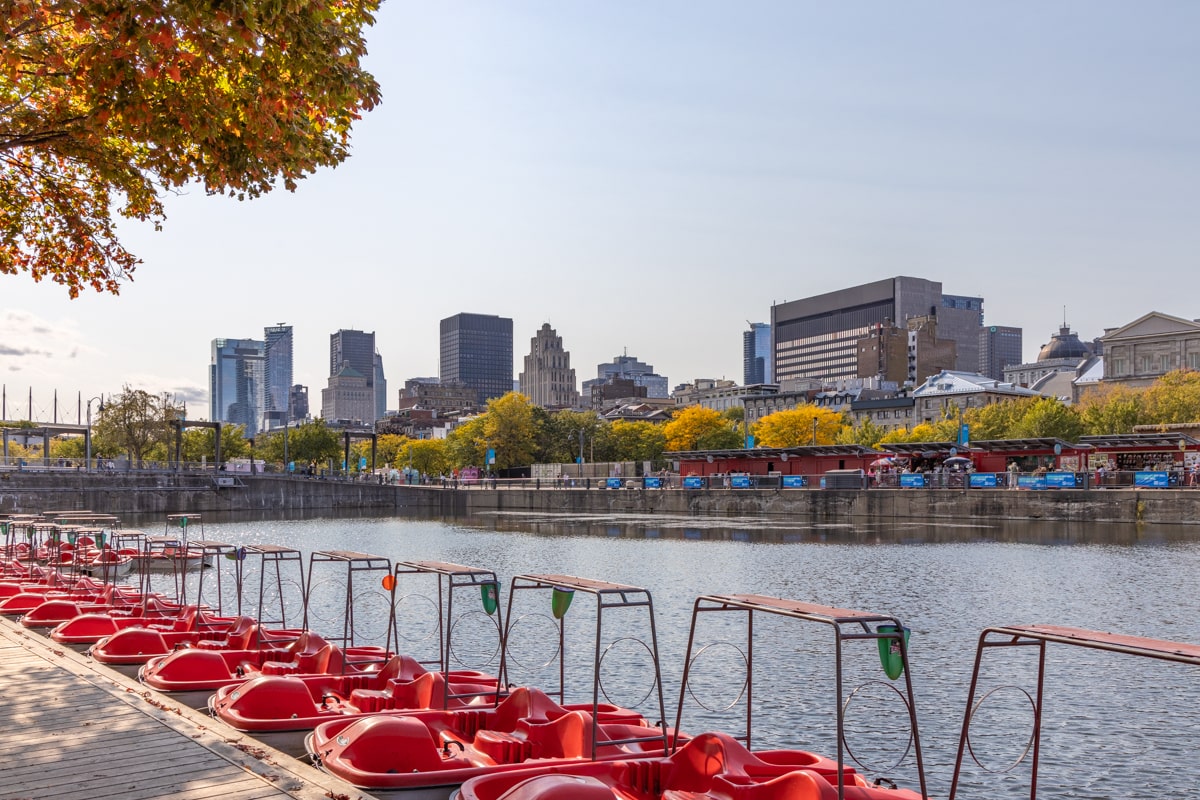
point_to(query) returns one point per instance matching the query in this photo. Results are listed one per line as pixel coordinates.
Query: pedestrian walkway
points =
(71, 729)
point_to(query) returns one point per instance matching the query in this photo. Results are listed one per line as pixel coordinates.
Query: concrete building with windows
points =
(1141, 352)
(357, 348)
(627, 367)
(548, 379)
(757, 363)
(444, 399)
(905, 355)
(817, 338)
(237, 384)
(476, 350)
(349, 399)
(1061, 363)
(950, 392)
(999, 347)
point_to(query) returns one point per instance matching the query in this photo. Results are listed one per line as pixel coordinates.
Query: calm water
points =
(1115, 726)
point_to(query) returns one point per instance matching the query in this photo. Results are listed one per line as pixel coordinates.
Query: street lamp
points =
(87, 438)
(814, 431)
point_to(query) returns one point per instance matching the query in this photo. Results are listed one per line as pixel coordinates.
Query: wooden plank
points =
(72, 729)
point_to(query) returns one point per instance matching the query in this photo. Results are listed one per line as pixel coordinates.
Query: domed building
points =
(1060, 362)
(1064, 344)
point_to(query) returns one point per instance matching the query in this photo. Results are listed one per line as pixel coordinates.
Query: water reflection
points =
(1114, 725)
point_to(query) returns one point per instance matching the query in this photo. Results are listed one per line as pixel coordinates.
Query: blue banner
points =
(612, 483)
(911, 480)
(1060, 480)
(1152, 480)
(652, 483)
(693, 483)
(739, 481)
(983, 480)
(1031, 482)
(794, 482)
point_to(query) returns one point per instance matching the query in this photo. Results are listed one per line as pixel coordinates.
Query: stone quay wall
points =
(169, 493)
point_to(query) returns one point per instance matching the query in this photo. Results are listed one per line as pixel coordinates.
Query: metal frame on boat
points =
(847, 625)
(608, 597)
(1039, 637)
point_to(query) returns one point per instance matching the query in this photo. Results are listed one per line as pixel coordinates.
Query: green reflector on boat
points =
(560, 601)
(183, 522)
(100, 540)
(889, 651)
(488, 594)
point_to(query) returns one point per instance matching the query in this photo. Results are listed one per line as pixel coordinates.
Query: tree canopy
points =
(105, 105)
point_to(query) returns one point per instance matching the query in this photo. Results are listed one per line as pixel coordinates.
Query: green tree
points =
(311, 442)
(637, 440)
(133, 422)
(426, 456)
(1046, 416)
(103, 106)
(560, 436)
(996, 420)
(866, 432)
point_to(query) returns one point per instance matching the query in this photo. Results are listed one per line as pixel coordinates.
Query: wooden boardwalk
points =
(71, 729)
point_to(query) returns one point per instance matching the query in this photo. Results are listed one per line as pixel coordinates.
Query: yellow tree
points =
(805, 424)
(104, 105)
(700, 428)
(1111, 408)
(508, 430)
(1175, 397)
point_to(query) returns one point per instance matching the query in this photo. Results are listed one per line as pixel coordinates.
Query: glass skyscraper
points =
(757, 360)
(278, 347)
(237, 382)
(477, 352)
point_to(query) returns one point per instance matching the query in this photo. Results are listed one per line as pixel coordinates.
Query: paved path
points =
(72, 729)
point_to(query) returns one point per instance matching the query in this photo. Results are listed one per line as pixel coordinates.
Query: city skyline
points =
(647, 179)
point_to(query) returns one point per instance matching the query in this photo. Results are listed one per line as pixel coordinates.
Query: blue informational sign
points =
(652, 483)
(612, 483)
(362, 462)
(491, 456)
(693, 483)
(1152, 480)
(983, 480)
(1031, 481)
(740, 481)
(1060, 480)
(911, 480)
(964, 435)
(794, 482)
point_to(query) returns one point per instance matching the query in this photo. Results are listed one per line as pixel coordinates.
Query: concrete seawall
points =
(164, 493)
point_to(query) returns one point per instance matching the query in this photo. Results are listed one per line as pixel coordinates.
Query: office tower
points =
(548, 379)
(627, 367)
(348, 399)
(278, 346)
(960, 319)
(299, 402)
(756, 354)
(237, 382)
(816, 338)
(999, 347)
(357, 349)
(380, 388)
(477, 352)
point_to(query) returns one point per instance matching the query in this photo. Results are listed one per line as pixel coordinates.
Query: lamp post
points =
(814, 431)
(87, 438)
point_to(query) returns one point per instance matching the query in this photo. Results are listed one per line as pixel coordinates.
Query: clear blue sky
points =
(650, 176)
